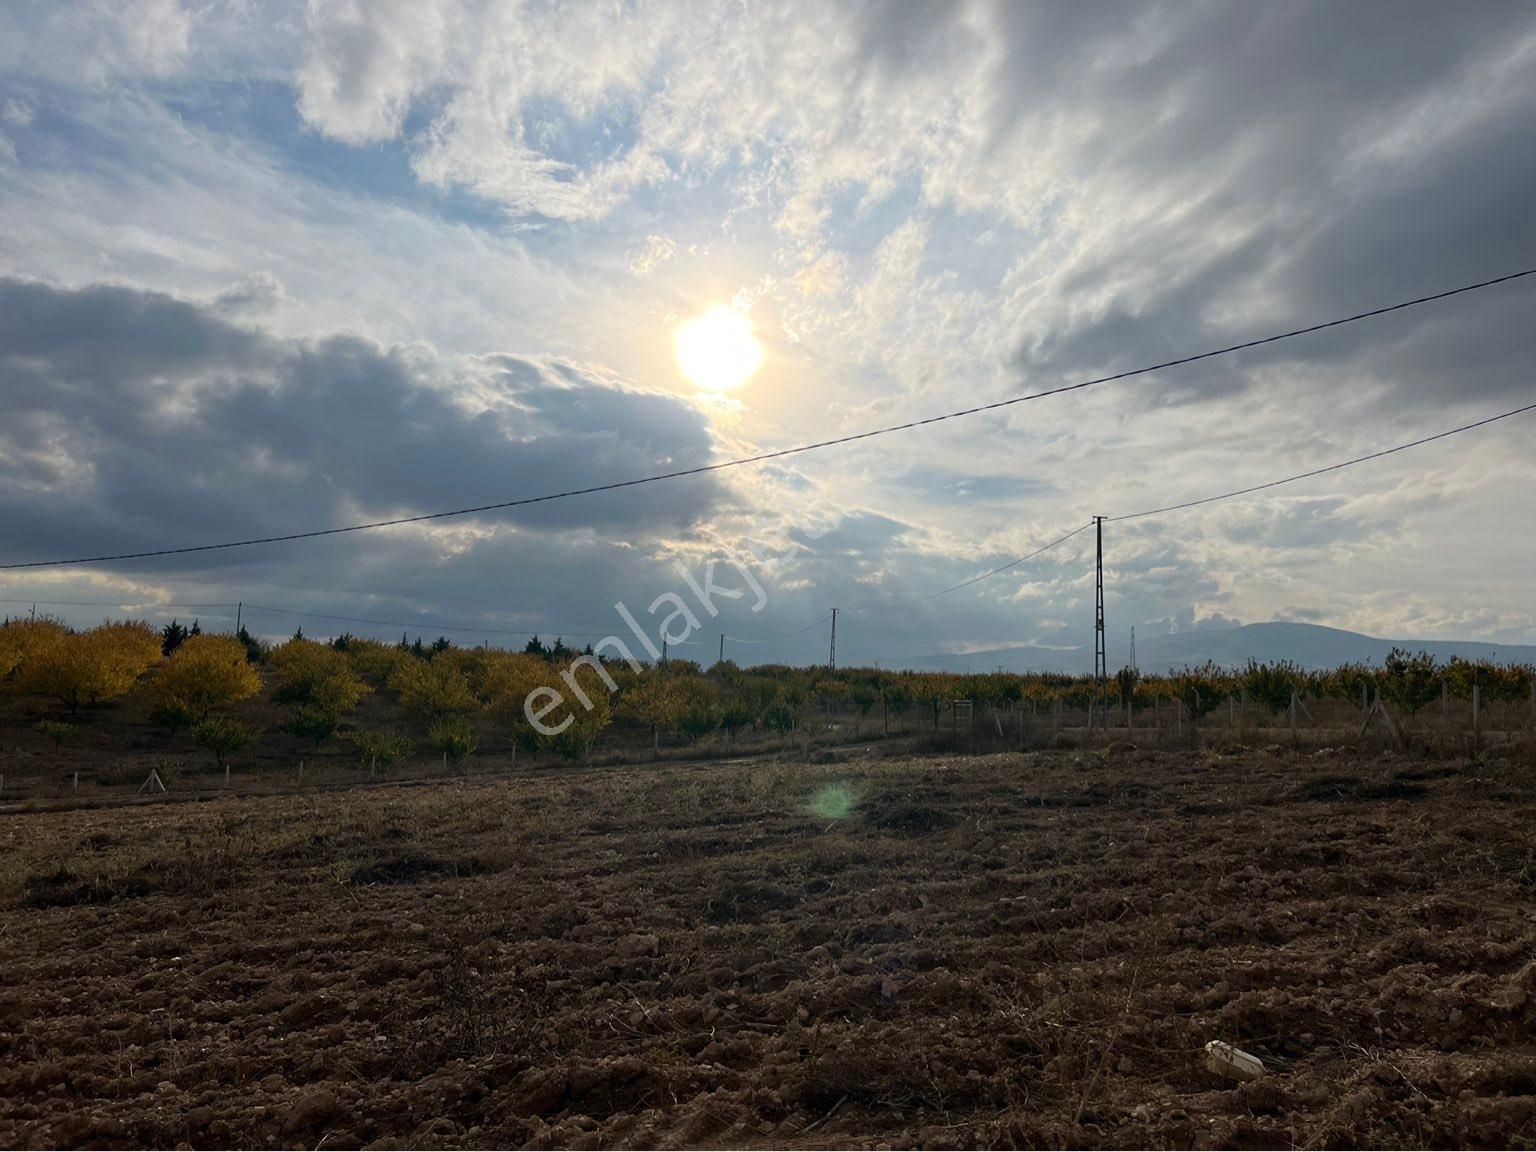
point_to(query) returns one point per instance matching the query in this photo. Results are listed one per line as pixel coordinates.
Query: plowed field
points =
(1026, 949)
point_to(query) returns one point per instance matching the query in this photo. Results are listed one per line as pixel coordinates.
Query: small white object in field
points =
(1234, 1062)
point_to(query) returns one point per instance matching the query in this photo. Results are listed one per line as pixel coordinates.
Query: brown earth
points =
(1021, 949)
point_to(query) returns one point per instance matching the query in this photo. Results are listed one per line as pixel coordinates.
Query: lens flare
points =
(833, 802)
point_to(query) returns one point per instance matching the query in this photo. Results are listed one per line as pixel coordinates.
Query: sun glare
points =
(717, 350)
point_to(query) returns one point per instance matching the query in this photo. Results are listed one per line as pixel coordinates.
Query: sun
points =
(717, 350)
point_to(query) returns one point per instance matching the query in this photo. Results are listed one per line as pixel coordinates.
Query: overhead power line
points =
(976, 579)
(807, 628)
(783, 452)
(485, 630)
(1330, 468)
(1205, 500)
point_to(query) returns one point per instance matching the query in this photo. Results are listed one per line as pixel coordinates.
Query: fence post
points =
(1364, 704)
(76, 786)
(301, 773)
(1445, 699)
(226, 776)
(1293, 715)
(1232, 712)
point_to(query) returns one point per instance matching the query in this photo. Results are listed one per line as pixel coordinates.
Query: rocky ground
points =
(1020, 949)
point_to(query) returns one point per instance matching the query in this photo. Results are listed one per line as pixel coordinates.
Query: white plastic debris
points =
(1234, 1062)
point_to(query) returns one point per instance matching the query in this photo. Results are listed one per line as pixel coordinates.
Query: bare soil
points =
(1009, 950)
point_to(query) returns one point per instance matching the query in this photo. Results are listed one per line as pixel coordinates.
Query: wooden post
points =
(445, 761)
(1293, 715)
(1242, 709)
(373, 764)
(1364, 704)
(76, 786)
(1445, 700)
(1231, 711)
(226, 776)
(301, 773)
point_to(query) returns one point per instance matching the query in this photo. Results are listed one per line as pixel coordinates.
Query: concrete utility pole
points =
(722, 648)
(832, 655)
(1100, 663)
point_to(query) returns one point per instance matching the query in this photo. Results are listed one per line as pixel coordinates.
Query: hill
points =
(1309, 645)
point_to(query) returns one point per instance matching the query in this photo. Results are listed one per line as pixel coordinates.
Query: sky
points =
(276, 267)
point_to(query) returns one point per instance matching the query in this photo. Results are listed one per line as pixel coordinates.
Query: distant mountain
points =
(1309, 645)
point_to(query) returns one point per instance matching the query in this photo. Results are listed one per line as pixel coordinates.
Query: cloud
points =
(98, 41)
(367, 61)
(139, 421)
(657, 251)
(257, 294)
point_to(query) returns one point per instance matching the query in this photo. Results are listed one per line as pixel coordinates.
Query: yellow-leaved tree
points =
(87, 667)
(20, 639)
(507, 682)
(432, 690)
(320, 684)
(205, 673)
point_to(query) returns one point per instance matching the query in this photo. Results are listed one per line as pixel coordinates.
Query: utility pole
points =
(663, 648)
(239, 612)
(1133, 649)
(1100, 664)
(832, 655)
(722, 648)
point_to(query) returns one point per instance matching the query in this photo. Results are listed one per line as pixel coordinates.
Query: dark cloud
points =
(1268, 131)
(138, 421)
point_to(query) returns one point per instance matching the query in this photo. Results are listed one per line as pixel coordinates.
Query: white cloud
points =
(366, 61)
(656, 251)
